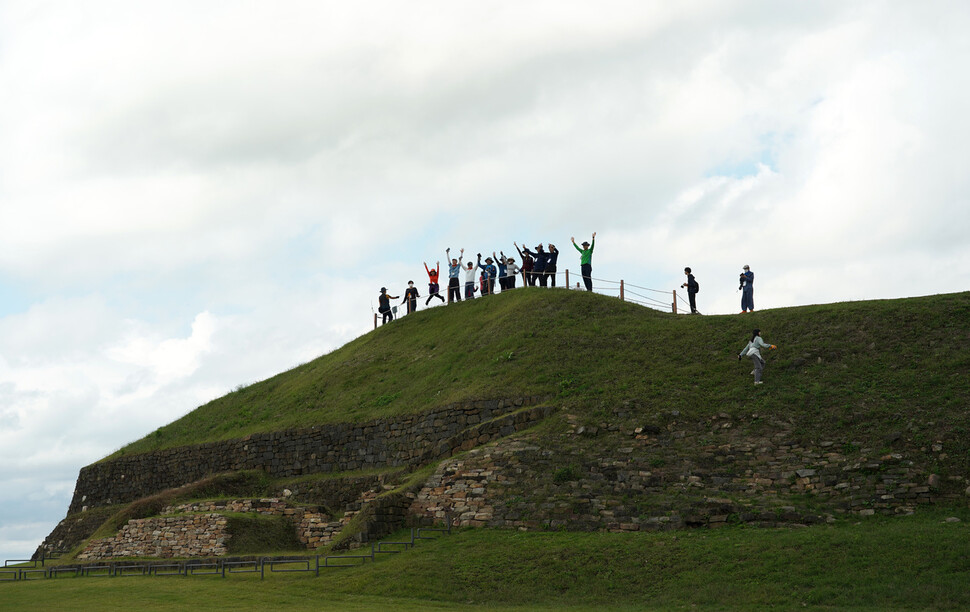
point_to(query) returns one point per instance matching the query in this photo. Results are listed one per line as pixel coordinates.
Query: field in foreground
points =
(916, 562)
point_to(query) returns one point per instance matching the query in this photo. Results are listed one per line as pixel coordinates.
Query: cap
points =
(746, 267)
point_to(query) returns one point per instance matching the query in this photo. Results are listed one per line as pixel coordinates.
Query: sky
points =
(199, 195)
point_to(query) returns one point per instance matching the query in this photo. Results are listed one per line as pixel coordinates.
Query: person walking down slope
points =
(454, 290)
(692, 289)
(433, 283)
(384, 305)
(586, 261)
(411, 297)
(746, 281)
(753, 350)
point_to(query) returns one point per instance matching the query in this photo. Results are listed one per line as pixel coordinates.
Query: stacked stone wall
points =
(706, 473)
(199, 535)
(405, 441)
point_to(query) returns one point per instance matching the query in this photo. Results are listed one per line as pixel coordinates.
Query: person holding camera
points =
(746, 286)
(692, 289)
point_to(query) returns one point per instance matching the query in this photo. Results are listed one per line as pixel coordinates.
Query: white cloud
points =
(195, 196)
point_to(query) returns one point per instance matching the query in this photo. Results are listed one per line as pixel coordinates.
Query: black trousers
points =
(691, 296)
(587, 276)
(388, 316)
(551, 275)
(454, 293)
(543, 279)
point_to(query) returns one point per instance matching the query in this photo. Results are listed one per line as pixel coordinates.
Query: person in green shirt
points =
(586, 261)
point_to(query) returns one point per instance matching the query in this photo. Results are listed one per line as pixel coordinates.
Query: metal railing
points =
(263, 565)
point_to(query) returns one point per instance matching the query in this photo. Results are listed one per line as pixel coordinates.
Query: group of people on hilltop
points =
(539, 267)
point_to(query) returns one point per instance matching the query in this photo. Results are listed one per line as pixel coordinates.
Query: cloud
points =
(195, 196)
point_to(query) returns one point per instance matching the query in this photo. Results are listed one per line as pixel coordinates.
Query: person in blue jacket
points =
(746, 281)
(488, 275)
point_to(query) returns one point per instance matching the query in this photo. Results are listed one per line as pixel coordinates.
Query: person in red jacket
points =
(433, 283)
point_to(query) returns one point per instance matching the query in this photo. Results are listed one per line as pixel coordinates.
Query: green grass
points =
(907, 563)
(868, 368)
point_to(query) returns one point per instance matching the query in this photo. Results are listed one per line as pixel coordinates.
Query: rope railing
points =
(617, 288)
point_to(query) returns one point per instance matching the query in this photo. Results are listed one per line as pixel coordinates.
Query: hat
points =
(383, 289)
(585, 244)
(747, 267)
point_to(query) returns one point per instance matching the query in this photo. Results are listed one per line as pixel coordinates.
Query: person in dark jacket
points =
(528, 263)
(384, 305)
(539, 267)
(692, 289)
(503, 271)
(411, 297)
(551, 269)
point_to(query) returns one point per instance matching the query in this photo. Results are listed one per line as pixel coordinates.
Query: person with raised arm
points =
(433, 282)
(586, 261)
(503, 270)
(551, 265)
(488, 275)
(539, 267)
(470, 281)
(454, 292)
(513, 270)
(528, 263)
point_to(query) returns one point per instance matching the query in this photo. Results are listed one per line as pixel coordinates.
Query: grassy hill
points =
(872, 368)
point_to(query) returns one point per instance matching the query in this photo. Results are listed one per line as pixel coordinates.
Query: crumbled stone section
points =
(683, 473)
(405, 441)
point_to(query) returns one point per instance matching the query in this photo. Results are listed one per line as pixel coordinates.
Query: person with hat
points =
(411, 297)
(384, 305)
(747, 290)
(586, 261)
(512, 271)
(488, 275)
(753, 350)
(692, 289)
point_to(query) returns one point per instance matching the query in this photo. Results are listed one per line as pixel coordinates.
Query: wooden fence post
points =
(621, 290)
(375, 320)
(567, 279)
(674, 305)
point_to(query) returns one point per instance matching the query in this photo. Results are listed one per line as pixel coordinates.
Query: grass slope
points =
(916, 562)
(868, 367)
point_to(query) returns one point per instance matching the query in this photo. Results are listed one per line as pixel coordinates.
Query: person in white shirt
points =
(753, 350)
(470, 273)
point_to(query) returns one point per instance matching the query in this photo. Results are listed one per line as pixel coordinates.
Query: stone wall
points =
(198, 535)
(405, 441)
(705, 473)
(199, 530)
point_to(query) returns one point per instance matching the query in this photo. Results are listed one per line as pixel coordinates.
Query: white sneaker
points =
(751, 372)
(760, 382)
